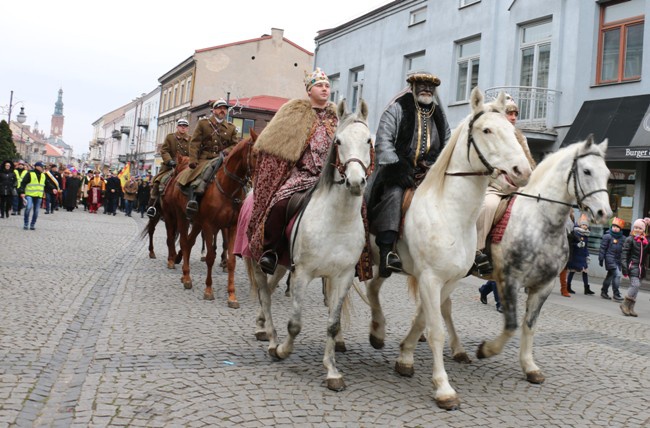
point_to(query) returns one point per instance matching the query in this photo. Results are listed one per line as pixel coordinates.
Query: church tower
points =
(56, 129)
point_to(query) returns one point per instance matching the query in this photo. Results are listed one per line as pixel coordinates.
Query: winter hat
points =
(618, 222)
(639, 223)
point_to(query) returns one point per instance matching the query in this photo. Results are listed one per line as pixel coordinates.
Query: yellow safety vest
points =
(34, 188)
(20, 176)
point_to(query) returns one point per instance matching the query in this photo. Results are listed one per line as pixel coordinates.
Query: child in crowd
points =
(578, 262)
(610, 255)
(633, 255)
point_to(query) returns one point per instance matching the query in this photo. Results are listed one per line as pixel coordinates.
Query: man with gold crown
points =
(292, 150)
(411, 134)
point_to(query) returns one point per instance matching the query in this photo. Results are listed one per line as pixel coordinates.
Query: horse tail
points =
(251, 276)
(346, 308)
(149, 227)
(412, 284)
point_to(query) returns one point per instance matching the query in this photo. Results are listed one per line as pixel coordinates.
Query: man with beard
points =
(411, 134)
(113, 192)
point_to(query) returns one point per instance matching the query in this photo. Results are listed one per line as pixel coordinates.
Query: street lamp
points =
(9, 108)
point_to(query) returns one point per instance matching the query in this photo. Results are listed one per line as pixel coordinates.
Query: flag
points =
(125, 174)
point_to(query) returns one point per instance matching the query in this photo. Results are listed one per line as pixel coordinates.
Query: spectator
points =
(113, 191)
(610, 255)
(52, 188)
(130, 195)
(20, 172)
(31, 192)
(579, 259)
(8, 182)
(144, 194)
(633, 258)
(72, 190)
(486, 289)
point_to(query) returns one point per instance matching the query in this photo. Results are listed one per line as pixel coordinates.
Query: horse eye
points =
(337, 142)
(487, 131)
(369, 140)
(587, 172)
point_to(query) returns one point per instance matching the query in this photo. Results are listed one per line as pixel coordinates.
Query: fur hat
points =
(423, 76)
(315, 77)
(619, 222)
(511, 106)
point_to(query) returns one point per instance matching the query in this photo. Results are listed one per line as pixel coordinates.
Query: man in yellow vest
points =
(20, 172)
(31, 192)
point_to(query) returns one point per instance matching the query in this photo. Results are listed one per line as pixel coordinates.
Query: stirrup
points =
(482, 264)
(268, 262)
(151, 212)
(192, 208)
(393, 262)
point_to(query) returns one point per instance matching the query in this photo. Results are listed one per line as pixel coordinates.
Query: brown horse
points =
(219, 209)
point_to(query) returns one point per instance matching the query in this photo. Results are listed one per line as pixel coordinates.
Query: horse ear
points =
(589, 141)
(501, 101)
(363, 110)
(476, 100)
(253, 134)
(342, 108)
(603, 146)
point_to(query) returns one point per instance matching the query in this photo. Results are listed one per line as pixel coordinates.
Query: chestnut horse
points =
(218, 210)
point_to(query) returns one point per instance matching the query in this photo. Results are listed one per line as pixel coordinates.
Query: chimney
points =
(277, 34)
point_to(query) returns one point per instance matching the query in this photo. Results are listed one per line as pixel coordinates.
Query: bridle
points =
(342, 167)
(576, 186)
(491, 171)
(243, 182)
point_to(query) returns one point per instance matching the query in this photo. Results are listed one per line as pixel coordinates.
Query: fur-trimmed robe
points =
(279, 146)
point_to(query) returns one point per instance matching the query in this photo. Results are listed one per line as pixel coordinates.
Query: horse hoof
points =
(261, 336)
(233, 305)
(480, 352)
(152, 256)
(404, 370)
(171, 266)
(340, 347)
(535, 377)
(273, 352)
(452, 403)
(376, 342)
(208, 296)
(336, 384)
(187, 285)
(422, 338)
(462, 357)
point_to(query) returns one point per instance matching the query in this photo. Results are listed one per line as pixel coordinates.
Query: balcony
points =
(143, 122)
(125, 130)
(116, 134)
(100, 141)
(537, 106)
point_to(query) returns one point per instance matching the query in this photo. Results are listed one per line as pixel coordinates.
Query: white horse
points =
(439, 237)
(326, 241)
(534, 248)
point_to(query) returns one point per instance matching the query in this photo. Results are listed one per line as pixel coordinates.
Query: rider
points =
(211, 137)
(497, 190)
(175, 143)
(412, 131)
(292, 151)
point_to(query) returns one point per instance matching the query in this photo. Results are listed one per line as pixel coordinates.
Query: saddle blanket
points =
(499, 229)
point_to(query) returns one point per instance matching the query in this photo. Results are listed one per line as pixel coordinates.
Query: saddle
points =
(205, 176)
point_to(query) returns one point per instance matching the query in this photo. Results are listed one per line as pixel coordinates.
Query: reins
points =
(341, 167)
(243, 182)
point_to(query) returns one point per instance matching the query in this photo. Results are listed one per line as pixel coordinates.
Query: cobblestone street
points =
(95, 333)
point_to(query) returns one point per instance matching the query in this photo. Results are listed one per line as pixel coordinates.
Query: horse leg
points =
(151, 228)
(377, 320)
(264, 295)
(338, 289)
(458, 352)
(231, 262)
(430, 289)
(299, 281)
(171, 243)
(534, 303)
(186, 248)
(224, 250)
(507, 289)
(203, 250)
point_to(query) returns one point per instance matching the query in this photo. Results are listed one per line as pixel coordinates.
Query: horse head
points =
(242, 159)
(587, 180)
(495, 145)
(352, 148)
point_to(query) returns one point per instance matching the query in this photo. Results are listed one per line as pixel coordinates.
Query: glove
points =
(192, 165)
(171, 163)
(399, 174)
(600, 262)
(405, 181)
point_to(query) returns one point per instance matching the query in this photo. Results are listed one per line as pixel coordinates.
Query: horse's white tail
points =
(360, 292)
(412, 283)
(251, 277)
(346, 308)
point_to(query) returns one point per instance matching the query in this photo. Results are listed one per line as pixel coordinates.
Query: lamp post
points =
(9, 108)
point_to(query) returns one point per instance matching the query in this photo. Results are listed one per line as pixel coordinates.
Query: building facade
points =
(574, 68)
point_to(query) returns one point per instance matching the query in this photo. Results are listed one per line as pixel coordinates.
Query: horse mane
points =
(326, 179)
(550, 162)
(437, 171)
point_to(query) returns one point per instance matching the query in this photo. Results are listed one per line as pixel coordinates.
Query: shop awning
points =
(625, 121)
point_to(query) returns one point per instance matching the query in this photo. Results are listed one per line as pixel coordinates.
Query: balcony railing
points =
(537, 106)
(143, 121)
(116, 134)
(125, 130)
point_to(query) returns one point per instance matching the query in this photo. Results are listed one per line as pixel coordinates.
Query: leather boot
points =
(631, 307)
(482, 263)
(588, 291)
(389, 261)
(563, 285)
(625, 306)
(269, 262)
(192, 205)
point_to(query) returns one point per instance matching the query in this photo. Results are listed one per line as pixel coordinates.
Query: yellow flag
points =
(125, 174)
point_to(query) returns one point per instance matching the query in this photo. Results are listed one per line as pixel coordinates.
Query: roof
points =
(50, 150)
(377, 11)
(258, 39)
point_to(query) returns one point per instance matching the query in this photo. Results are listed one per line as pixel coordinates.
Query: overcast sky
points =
(103, 54)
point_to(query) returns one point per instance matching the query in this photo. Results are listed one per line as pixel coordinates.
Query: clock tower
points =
(56, 129)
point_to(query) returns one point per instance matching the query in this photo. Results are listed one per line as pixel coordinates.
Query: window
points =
(188, 90)
(164, 102)
(335, 82)
(417, 16)
(620, 46)
(182, 92)
(467, 67)
(175, 99)
(535, 66)
(414, 62)
(357, 76)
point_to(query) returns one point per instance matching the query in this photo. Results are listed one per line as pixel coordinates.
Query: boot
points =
(268, 262)
(569, 289)
(563, 284)
(151, 211)
(588, 291)
(192, 205)
(625, 306)
(617, 296)
(389, 261)
(631, 307)
(482, 264)
(604, 295)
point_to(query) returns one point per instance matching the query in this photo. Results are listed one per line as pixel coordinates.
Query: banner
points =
(125, 174)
